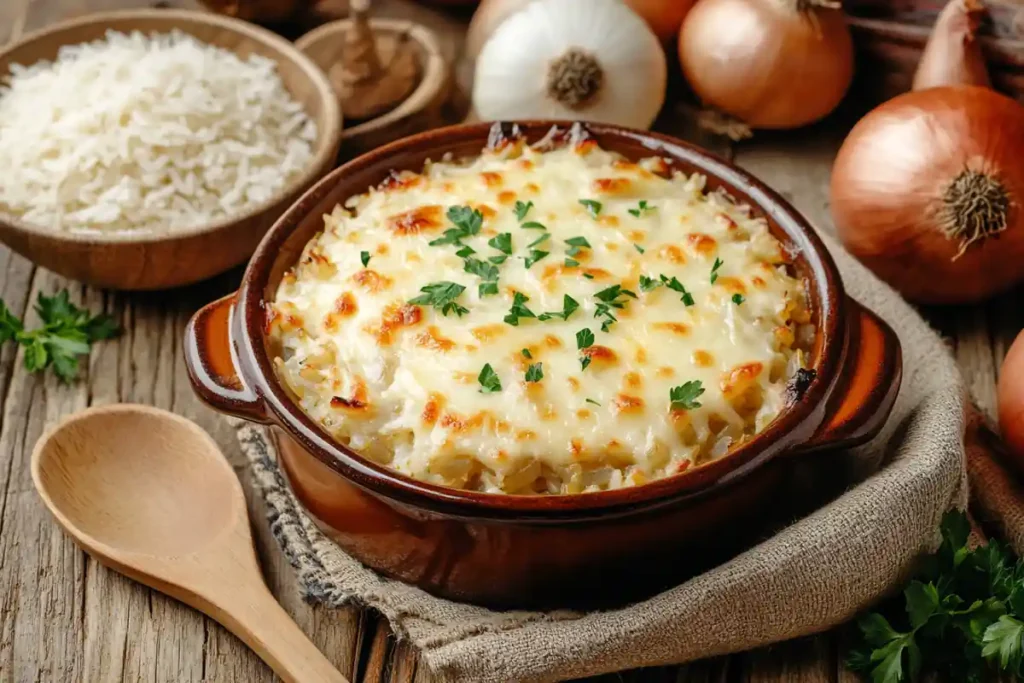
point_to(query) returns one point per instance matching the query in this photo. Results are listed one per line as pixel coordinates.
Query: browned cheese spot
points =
(491, 179)
(432, 409)
(732, 284)
(671, 253)
(632, 380)
(506, 197)
(624, 403)
(609, 221)
(702, 359)
(705, 245)
(431, 338)
(600, 355)
(400, 180)
(371, 280)
(397, 317)
(486, 333)
(665, 371)
(678, 329)
(612, 186)
(735, 381)
(421, 219)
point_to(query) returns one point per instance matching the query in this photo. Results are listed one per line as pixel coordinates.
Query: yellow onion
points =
(928, 190)
(769, 63)
(952, 55)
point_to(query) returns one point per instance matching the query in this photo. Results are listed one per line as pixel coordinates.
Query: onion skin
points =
(765, 62)
(1011, 402)
(953, 55)
(663, 16)
(889, 179)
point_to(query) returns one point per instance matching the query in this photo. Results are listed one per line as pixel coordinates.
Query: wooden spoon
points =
(150, 495)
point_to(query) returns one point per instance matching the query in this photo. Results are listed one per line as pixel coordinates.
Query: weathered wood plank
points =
(806, 660)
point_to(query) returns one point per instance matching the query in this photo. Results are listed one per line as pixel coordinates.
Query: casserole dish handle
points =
(211, 363)
(871, 370)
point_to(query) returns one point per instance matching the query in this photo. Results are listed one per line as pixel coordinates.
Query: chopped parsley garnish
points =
(738, 299)
(535, 372)
(533, 256)
(486, 272)
(584, 340)
(641, 209)
(519, 310)
(714, 269)
(569, 306)
(638, 247)
(684, 397)
(467, 223)
(533, 225)
(502, 242)
(590, 400)
(578, 242)
(480, 268)
(610, 298)
(588, 276)
(465, 251)
(677, 286)
(522, 209)
(526, 354)
(497, 260)
(540, 240)
(442, 296)
(592, 206)
(571, 263)
(364, 256)
(489, 381)
(648, 283)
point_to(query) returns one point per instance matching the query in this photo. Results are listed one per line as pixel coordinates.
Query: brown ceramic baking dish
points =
(569, 550)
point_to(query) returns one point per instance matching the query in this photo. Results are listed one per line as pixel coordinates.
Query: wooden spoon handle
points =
(252, 614)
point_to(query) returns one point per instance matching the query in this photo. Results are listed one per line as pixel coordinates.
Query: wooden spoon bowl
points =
(148, 259)
(150, 495)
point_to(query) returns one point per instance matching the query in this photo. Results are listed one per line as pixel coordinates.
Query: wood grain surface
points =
(65, 618)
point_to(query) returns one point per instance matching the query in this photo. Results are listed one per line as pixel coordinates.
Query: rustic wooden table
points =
(65, 618)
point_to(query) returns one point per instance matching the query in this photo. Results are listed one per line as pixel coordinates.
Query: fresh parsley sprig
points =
(584, 340)
(962, 617)
(608, 299)
(442, 296)
(684, 397)
(535, 372)
(569, 306)
(66, 334)
(489, 380)
(467, 222)
(519, 310)
(675, 285)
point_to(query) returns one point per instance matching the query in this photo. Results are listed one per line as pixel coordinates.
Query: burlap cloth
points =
(815, 573)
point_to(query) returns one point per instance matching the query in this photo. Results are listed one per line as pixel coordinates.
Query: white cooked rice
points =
(135, 132)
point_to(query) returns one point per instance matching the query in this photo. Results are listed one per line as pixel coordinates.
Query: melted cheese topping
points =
(416, 389)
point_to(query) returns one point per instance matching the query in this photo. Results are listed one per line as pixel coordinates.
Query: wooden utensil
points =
(150, 495)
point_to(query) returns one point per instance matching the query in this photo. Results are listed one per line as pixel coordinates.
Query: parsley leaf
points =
(467, 223)
(588, 276)
(714, 269)
(610, 298)
(497, 260)
(572, 263)
(592, 206)
(502, 242)
(489, 381)
(481, 269)
(684, 397)
(465, 251)
(364, 256)
(533, 256)
(535, 372)
(533, 225)
(526, 354)
(677, 286)
(638, 247)
(540, 240)
(569, 306)
(578, 242)
(738, 299)
(519, 310)
(67, 332)
(584, 339)
(522, 209)
(442, 296)
(590, 400)
(641, 209)
(648, 283)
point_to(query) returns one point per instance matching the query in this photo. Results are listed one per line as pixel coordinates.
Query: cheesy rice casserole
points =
(543, 319)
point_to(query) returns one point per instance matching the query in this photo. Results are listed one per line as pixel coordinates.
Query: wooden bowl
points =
(146, 259)
(552, 550)
(420, 111)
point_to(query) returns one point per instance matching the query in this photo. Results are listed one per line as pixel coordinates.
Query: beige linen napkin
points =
(814, 574)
